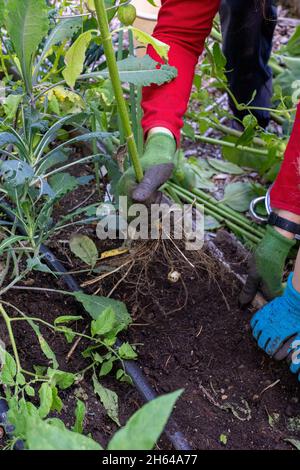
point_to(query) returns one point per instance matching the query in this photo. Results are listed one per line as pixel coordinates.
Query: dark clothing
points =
(248, 31)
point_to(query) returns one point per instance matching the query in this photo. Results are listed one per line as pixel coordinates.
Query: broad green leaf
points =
(45, 394)
(109, 400)
(29, 390)
(61, 378)
(144, 428)
(7, 138)
(104, 323)
(225, 167)
(62, 183)
(41, 435)
(27, 24)
(106, 367)
(75, 57)
(84, 248)
(210, 223)
(143, 71)
(9, 368)
(239, 195)
(65, 29)
(80, 411)
(127, 352)
(16, 172)
(160, 47)
(95, 306)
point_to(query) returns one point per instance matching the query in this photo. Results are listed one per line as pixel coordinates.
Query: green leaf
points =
(84, 248)
(9, 369)
(44, 345)
(239, 195)
(294, 442)
(45, 394)
(225, 167)
(104, 323)
(10, 241)
(29, 390)
(210, 223)
(75, 57)
(63, 183)
(2, 12)
(95, 306)
(80, 411)
(160, 47)
(293, 46)
(143, 71)
(127, 352)
(144, 428)
(109, 400)
(65, 29)
(66, 319)
(61, 378)
(41, 435)
(106, 367)
(27, 24)
(11, 105)
(57, 404)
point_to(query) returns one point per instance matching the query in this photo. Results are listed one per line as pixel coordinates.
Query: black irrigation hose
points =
(133, 369)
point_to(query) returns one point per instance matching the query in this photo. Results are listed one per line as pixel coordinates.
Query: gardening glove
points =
(158, 165)
(277, 324)
(265, 268)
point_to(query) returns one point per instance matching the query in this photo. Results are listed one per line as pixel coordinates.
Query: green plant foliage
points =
(144, 428)
(27, 24)
(84, 248)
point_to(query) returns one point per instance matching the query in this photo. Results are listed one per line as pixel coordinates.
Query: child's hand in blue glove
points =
(277, 325)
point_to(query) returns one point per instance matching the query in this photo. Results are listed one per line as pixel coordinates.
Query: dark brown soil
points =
(206, 348)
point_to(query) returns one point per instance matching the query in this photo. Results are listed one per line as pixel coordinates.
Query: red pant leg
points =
(285, 193)
(183, 25)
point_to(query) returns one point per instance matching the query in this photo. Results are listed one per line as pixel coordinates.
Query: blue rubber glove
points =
(277, 325)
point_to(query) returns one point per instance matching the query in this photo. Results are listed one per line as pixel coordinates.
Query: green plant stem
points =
(133, 107)
(117, 87)
(233, 226)
(120, 57)
(235, 133)
(221, 213)
(223, 143)
(11, 337)
(94, 148)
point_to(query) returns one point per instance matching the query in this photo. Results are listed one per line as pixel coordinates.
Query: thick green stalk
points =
(233, 226)
(117, 87)
(133, 109)
(223, 143)
(221, 210)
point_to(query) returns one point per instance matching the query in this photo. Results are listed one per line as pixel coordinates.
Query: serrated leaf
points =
(160, 47)
(61, 378)
(104, 323)
(84, 248)
(16, 172)
(144, 428)
(109, 400)
(126, 352)
(10, 241)
(27, 24)
(95, 305)
(225, 167)
(143, 71)
(63, 183)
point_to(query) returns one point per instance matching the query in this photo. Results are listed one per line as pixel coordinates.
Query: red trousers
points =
(184, 25)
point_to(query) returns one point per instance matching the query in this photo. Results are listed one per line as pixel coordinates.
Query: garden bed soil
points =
(234, 396)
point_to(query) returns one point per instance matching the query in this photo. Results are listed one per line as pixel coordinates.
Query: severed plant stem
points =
(117, 87)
